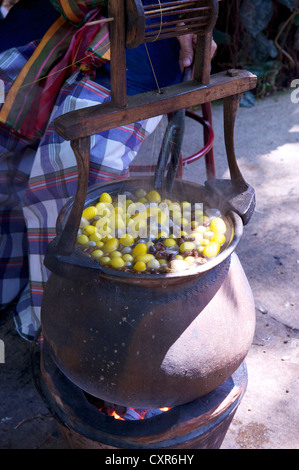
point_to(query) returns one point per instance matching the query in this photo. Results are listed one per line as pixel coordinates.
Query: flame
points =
(141, 413)
(116, 416)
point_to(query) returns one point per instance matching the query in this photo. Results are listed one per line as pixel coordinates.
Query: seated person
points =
(37, 167)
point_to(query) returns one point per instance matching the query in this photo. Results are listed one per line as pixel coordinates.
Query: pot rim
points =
(234, 219)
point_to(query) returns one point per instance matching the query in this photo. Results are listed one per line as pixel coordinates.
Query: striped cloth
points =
(36, 179)
(65, 43)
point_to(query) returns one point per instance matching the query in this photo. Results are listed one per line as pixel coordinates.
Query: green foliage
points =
(290, 4)
(255, 15)
(266, 73)
(261, 36)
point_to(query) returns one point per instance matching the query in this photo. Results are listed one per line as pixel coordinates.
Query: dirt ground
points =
(267, 148)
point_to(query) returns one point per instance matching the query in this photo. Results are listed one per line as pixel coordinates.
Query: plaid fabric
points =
(38, 177)
(67, 42)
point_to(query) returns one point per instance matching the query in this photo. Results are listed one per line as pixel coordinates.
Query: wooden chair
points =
(77, 126)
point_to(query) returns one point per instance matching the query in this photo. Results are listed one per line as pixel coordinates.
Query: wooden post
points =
(118, 79)
(202, 64)
(230, 107)
(81, 149)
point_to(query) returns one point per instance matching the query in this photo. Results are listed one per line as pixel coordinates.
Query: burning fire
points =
(124, 413)
(116, 416)
(134, 414)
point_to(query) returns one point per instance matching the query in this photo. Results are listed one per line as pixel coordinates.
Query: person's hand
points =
(188, 43)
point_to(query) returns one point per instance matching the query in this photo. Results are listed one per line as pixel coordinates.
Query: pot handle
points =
(234, 194)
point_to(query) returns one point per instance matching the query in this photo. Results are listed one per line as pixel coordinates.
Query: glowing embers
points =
(122, 412)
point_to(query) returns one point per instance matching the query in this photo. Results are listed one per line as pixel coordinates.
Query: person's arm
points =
(188, 43)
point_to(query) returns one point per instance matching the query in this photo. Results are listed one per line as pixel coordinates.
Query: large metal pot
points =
(147, 340)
